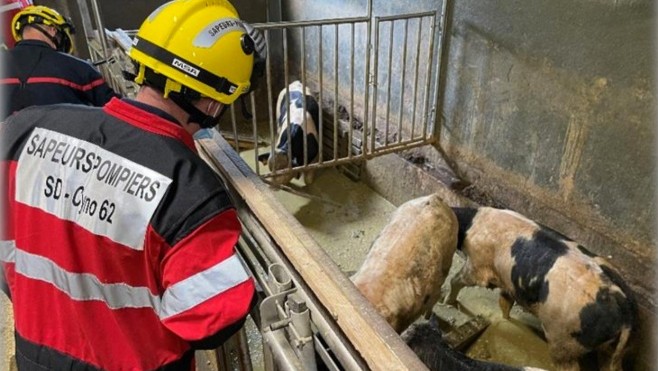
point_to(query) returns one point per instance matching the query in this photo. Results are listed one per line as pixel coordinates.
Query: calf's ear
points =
(434, 321)
(263, 158)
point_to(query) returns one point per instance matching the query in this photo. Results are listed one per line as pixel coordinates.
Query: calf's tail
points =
(465, 217)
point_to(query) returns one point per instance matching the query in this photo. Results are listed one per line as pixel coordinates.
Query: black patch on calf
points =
(297, 146)
(426, 340)
(465, 217)
(297, 133)
(586, 252)
(313, 109)
(534, 258)
(263, 157)
(554, 234)
(602, 319)
(628, 305)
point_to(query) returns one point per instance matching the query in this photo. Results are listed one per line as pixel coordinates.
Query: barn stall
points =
(416, 99)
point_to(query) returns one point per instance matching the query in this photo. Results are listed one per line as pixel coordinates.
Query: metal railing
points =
(374, 96)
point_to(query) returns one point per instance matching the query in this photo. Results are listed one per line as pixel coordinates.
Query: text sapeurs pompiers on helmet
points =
(191, 49)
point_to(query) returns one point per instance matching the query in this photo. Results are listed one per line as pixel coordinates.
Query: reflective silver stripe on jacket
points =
(7, 251)
(178, 298)
(202, 286)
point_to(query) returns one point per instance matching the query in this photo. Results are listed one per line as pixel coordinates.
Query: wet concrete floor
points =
(345, 217)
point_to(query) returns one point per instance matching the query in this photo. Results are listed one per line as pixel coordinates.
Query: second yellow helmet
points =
(39, 14)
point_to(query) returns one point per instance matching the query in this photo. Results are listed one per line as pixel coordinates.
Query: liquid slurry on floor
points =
(345, 217)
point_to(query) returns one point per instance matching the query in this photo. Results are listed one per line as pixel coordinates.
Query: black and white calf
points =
(582, 302)
(297, 113)
(426, 340)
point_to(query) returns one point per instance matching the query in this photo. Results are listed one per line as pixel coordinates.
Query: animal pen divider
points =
(375, 79)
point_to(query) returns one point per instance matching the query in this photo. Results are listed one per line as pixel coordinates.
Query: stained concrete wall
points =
(557, 102)
(548, 108)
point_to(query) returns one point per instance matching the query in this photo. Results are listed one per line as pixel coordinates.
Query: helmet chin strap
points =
(184, 100)
(196, 115)
(53, 39)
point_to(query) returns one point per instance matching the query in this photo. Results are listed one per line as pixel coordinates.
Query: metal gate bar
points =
(336, 40)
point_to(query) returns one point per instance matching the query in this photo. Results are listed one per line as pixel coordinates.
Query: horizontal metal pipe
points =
(405, 16)
(402, 146)
(285, 24)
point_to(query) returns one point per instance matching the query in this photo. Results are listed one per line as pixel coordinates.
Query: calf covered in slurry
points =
(297, 113)
(582, 302)
(426, 340)
(408, 262)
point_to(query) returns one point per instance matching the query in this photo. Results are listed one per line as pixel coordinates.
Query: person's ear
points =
(52, 30)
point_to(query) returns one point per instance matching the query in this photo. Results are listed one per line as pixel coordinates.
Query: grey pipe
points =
(303, 335)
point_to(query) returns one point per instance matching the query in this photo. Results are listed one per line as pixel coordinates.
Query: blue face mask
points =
(203, 134)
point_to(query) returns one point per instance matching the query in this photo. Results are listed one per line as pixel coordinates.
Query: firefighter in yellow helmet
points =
(202, 63)
(40, 18)
(39, 69)
(132, 233)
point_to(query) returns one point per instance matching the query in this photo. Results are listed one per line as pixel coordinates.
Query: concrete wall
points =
(557, 101)
(548, 108)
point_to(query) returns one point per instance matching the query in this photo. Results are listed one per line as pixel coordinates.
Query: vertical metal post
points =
(234, 126)
(351, 117)
(368, 80)
(428, 78)
(303, 336)
(415, 100)
(286, 69)
(100, 28)
(389, 80)
(303, 74)
(270, 110)
(87, 27)
(320, 97)
(375, 91)
(402, 79)
(254, 121)
(278, 281)
(439, 63)
(335, 112)
(100, 33)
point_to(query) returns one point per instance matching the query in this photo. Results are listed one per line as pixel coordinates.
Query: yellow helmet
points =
(200, 45)
(39, 14)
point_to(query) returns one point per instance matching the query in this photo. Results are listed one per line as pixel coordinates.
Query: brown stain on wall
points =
(577, 133)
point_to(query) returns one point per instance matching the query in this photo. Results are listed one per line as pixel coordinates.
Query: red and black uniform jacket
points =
(118, 241)
(35, 74)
